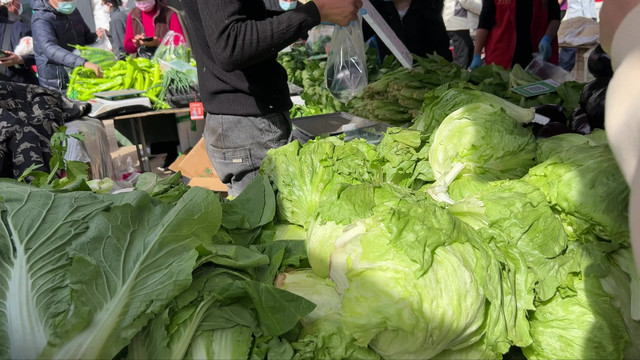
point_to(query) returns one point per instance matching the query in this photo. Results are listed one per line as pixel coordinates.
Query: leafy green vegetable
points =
(406, 158)
(386, 265)
(466, 143)
(305, 175)
(439, 104)
(117, 289)
(585, 326)
(581, 179)
(36, 226)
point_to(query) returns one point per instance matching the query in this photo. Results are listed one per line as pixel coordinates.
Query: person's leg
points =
(462, 47)
(236, 145)
(567, 58)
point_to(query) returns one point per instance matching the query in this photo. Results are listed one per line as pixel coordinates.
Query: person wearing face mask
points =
(417, 23)
(56, 25)
(242, 86)
(117, 26)
(149, 19)
(14, 67)
(280, 5)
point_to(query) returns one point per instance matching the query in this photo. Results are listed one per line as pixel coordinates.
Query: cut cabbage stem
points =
(440, 189)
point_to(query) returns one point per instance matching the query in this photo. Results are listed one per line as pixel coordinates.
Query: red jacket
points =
(501, 43)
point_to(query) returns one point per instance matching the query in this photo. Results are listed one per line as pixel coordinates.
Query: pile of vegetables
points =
(139, 73)
(473, 240)
(399, 94)
(88, 276)
(464, 237)
(306, 68)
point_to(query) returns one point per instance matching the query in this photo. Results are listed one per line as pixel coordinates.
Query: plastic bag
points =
(102, 43)
(173, 47)
(99, 53)
(25, 47)
(318, 39)
(547, 70)
(346, 72)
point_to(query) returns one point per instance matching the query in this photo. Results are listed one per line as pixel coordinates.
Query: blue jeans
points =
(567, 58)
(236, 145)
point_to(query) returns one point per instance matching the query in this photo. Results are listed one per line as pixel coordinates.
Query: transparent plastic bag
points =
(99, 53)
(346, 72)
(102, 43)
(546, 70)
(173, 47)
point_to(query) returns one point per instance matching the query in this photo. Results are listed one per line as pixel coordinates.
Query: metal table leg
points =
(143, 141)
(141, 146)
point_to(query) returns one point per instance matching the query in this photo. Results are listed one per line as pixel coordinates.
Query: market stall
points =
(440, 213)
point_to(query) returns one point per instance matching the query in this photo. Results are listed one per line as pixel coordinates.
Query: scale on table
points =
(118, 102)
(338, 123)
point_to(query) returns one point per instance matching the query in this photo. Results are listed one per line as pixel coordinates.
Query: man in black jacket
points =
(418, 24)
(14, 67)
(243, 88)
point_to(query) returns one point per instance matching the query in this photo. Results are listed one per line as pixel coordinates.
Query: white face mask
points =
(13, 16)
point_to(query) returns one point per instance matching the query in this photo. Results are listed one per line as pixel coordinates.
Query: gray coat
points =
(117, 27)
(53, 35)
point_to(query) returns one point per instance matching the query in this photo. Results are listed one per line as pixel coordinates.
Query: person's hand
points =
(11, 60)
(137, 40)
(611, 16)
(101, 32)
(153, 43)
(340, 12)
(96, 69)
(545, 47)
(476, 62)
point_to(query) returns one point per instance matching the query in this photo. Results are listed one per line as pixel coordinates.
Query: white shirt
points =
(581, 8)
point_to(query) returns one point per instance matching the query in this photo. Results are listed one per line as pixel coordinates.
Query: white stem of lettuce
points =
(439, 190)
(27, 337)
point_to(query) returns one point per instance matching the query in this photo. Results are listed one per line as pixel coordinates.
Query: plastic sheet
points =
(547, 70)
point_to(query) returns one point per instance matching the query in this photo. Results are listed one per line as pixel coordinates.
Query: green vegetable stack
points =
(527, 253)
(398, 96)
(139, 73)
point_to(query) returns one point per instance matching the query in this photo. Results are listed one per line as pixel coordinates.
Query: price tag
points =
(196, 110)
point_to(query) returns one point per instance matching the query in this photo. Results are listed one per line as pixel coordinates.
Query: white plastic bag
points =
(346, 72)
(25, 47)
(102, 43)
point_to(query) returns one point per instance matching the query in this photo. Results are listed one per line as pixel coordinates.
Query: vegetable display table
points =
(139, 138)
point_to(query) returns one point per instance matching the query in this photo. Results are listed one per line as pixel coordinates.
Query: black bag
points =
(146, 51)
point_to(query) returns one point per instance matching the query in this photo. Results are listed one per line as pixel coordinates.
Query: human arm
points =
(619, 28)
(475, 6)
(237, 42)
(45, 35)
(129, 45)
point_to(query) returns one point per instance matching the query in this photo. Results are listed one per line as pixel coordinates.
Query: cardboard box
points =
(197, 167)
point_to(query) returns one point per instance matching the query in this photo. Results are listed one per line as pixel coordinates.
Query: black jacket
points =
(24, 73)
(422, 29)
(236, 53)
(53, 35)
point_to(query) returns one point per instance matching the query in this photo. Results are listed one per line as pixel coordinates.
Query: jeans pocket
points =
(231, 164)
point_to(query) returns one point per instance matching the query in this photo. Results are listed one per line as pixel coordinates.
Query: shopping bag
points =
(346, 71)
(173, 47)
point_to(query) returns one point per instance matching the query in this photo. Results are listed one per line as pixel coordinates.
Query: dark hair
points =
(113, 2)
